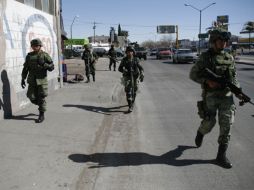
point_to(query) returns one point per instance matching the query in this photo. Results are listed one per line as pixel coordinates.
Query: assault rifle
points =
(115, 59)
(225, 83)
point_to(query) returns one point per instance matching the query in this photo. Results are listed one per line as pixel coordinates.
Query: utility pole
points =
(177, 45)
(94, 27)
(59, 40)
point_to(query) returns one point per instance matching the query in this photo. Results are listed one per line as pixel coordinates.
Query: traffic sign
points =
(203, 36)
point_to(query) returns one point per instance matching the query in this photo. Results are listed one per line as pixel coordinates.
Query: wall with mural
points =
(17, 29)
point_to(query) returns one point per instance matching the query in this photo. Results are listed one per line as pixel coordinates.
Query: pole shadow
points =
(98, 109)
(138, 158)
(5, 102)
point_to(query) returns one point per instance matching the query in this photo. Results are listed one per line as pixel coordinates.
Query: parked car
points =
(99, 51)
(184, 55)
(119, 53)
(153, 52)
(164, 53)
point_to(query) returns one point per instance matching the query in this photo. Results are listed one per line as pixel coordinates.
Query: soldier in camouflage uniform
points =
(215, 97)
(90, 61)
(132, 74)
(112, 57)
(36, 65)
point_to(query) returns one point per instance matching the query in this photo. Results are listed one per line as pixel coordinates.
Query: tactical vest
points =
(222, 64)
(37, 74)
(131, 66)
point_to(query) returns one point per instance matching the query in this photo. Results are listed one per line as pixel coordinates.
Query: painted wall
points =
(17, 29)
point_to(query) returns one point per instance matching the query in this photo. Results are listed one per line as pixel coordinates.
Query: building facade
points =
(17, 28)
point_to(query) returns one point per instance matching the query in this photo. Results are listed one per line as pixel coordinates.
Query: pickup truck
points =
(141, 52)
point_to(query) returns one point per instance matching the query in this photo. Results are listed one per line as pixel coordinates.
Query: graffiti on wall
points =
(46, 36)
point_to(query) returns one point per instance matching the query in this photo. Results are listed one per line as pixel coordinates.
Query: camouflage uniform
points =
(35, 70)
(112, 58)
(131, 67)
(89, 60)
(215, 99)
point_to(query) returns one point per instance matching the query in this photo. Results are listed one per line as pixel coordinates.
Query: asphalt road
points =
(153, 148)
(89, 142)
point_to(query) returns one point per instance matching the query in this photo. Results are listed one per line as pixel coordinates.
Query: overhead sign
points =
(203, 36)
(166, 29)
(222, 19)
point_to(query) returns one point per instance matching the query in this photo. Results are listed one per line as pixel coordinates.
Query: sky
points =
(141, 17)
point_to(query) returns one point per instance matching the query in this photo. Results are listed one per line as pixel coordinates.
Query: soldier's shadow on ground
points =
(29, 116)
(138, 158)
(171, 62)
(246, 69)
(98, 109)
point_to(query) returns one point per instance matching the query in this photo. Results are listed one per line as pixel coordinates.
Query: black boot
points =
(40, 118)
(130, 106)
(88, 80)
(221, 158)
(199, 139)
(94, 78)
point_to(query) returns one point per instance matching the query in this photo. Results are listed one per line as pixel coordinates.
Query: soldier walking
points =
(216, 98)
(133, 72)
(89, 60)
(112, 57)
(36, 65)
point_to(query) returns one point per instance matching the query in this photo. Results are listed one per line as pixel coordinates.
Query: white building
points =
(20, 22)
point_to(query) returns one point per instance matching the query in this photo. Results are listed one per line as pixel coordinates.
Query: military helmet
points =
(130, 48)
(36, 42)
(219, 34)
(86, 46)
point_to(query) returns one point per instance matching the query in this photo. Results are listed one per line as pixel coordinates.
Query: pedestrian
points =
(112, 57)
(216, 98)
(90, 61)
(133, 72)
(35, 68)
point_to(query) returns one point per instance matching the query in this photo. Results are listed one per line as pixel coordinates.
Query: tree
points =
(119, 30)
(248, 28)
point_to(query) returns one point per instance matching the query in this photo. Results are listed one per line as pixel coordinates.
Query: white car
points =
(184, 56)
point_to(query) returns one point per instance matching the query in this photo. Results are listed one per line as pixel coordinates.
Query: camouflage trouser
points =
(226, 113)
(37, 95)
(90, 69)
(128, 88)
(112, 62)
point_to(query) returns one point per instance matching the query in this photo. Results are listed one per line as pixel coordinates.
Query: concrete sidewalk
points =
(35, 156)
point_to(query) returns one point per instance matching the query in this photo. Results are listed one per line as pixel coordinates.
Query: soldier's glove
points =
(141, 78)
(23, 83)
(49, 66)
(125, 70)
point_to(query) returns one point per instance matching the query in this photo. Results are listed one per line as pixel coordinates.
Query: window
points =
(30, 3)
(21, 1)
(45, 5)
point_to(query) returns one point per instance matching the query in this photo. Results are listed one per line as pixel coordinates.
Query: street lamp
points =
(71, 30)
(200, 12)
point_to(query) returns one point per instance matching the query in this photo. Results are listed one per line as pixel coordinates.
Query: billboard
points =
(222, 19)
(166, 29)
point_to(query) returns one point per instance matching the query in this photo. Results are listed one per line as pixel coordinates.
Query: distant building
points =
(98, 39)
(184, 43)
